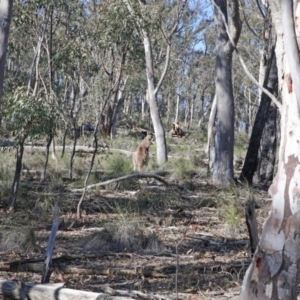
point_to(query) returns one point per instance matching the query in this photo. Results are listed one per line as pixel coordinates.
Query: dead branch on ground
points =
(126, 177)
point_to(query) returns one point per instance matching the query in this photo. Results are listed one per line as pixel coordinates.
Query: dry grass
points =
(124, 237)
(136, 217)
(21, 240)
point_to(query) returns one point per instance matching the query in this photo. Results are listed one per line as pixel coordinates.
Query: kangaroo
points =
(141, 155)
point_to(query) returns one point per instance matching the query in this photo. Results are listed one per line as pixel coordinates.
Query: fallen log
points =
(149, 271)
(78, 149)
(34, 291)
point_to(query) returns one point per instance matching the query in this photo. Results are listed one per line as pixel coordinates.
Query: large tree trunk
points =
(5, 19)
(267, 154)
(274, 271)
(161, 148)
(251, 160)
(224, 138)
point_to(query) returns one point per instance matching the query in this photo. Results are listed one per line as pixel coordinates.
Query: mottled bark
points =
(274, 271)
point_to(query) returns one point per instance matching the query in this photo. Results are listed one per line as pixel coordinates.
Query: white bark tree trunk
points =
(211, 122)
(274, 271)
(161, 147)
(5, 19)
(177, 108)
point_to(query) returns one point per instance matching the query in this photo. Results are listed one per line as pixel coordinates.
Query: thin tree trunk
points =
(177, 108)
(5, 20)
(64, 142)
(79, 205)
(186, 114)
(192, 110)
(73, 151)
(16, 182)
(144, 101)
(117, 109)
(211, 124)
(46, 159)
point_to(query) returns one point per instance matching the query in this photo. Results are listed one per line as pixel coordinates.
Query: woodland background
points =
(76, 87)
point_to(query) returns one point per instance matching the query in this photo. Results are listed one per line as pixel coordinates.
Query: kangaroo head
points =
(150, 136)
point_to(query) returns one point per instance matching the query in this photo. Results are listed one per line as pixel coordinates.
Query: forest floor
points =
(187, 240)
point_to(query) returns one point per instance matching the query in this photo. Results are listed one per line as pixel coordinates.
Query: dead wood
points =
(134, 294)
(78, 149)
(33, 291)
(252, 225)
(50, 245)
(130, 176)
(149, 271)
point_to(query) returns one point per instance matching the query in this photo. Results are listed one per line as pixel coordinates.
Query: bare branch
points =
(236, 21)
(137, 175)
(260, 9)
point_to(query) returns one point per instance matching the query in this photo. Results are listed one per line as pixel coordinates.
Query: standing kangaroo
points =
(141, 155)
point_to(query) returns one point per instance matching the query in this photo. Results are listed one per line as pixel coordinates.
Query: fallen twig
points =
(130, 176)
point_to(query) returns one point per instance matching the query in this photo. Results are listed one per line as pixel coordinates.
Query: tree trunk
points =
(144, 101)
(274, 271)
(117, 109)
(177, 108)
(251, 160)
(224, 138)
(267, 154)
(5, 19)
(161, 148)
(73, 151)
(186, 114)
(210, 125)
(46, 158)
(15, 185)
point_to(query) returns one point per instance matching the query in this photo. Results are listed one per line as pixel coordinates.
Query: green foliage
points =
(182, 167)
(119, 165)
(27, 115)
(231, 213)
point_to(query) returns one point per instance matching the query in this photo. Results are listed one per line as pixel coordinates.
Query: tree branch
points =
(138, 175)
(236, 21)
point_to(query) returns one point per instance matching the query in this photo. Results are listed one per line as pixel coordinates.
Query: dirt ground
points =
(186, 241)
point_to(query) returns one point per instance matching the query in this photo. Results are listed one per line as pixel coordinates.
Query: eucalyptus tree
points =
(224, 137)
(149, 19)
(5, 20)
(27, 116)
(260, 157)
(274, 270)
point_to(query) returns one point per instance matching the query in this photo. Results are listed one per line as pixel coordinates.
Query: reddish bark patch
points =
(258, 262)
(289, 168)
(289, 82)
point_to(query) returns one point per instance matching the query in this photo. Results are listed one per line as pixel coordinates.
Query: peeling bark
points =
(274, 271)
